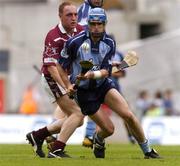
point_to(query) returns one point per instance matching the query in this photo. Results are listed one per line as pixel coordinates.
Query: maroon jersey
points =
(54, 44)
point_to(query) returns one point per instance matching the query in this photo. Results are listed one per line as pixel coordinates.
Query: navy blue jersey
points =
(81, 48)
(83, 12)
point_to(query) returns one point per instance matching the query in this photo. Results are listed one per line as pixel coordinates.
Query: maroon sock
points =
(41, 133)
(58, 145)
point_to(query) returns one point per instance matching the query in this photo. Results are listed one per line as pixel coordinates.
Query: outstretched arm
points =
(94, 75)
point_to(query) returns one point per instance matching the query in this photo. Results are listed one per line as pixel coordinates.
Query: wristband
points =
(97, 74)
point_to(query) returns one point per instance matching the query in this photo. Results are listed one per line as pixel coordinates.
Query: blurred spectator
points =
(157, 107)
(155, 110)
(158, 99)
(29, 104)
(143, 103)
(168, 102)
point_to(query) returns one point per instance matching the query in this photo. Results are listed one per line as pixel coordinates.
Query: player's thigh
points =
(68, 105)
(58, 113)
(59, 95)
(117, 103)
(103, 121)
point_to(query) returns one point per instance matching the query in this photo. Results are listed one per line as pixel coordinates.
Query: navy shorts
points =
(90, 100)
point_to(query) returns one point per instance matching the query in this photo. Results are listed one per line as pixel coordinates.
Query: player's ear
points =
(60, 15)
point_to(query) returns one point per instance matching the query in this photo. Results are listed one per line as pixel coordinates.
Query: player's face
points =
(69, 17)
(97, 3)
(96, 29)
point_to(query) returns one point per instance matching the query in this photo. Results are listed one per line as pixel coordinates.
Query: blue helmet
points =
(97, 15)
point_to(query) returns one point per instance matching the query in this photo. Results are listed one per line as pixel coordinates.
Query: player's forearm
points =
(64, 76)
(56, 76)
(102, 73)
(66, 80)
(119, 74)
(96, 74)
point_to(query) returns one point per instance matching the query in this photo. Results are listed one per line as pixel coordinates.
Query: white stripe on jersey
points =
(75, 38)
(50, 60)
(60, 38)
(111, 40)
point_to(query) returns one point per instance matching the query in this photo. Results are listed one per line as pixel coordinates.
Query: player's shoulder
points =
(109, 40)
(53, 33)
(77, 39)
(79, 28)
(80, 8)
(84, 6)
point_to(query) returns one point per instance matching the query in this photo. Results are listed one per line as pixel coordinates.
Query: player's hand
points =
(116, 63)
(71, 90)
(88, 75)
(115, 69)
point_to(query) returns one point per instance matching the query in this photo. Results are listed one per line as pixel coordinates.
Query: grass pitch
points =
(116, 154)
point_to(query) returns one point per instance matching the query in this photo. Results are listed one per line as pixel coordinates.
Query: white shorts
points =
(53, 89)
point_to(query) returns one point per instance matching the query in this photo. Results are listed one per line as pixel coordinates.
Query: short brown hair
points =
(62, 5)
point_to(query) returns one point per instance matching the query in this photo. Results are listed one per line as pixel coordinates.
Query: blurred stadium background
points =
(150, 27)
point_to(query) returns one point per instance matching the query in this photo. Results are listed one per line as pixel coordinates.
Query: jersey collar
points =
(64, 31)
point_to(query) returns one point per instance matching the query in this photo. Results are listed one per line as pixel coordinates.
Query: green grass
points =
(116, 154)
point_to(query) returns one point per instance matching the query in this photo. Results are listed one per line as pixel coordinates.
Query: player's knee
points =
(111, 131)
(81, 122)
(79, 117)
